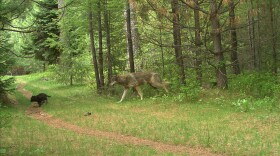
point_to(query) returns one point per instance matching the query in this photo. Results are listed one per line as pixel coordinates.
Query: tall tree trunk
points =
(177, 40)
(198, 43)
(71, 66)
(60, 5)
(108, 41)
(161, 48)
(64, 39)
(129, 39)
(234, 55)
(221, 75)
(93, 50)
(273, 39)
(100, 49)
(251, 30)
(134, 29)
(258, 45)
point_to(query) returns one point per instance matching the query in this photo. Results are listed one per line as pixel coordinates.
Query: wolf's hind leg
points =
(158, 85)
(157, 82)
(139, 92)
(164, 87)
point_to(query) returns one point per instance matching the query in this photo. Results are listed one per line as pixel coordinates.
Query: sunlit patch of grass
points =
(30, 137)
(26, 136)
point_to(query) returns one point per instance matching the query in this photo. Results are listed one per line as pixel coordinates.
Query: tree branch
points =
(196, 7)
(15, 30)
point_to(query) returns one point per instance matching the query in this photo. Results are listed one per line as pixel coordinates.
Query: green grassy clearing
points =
(212, 122)
(30, 137)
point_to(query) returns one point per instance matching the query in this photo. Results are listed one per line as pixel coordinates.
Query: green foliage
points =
(190, 91)
(5, 84)
(243, 105)
(256, 84)
(70, 70)
(250, 104)
(268, 103)
(46, 36)
(11, 10)
(6, 61)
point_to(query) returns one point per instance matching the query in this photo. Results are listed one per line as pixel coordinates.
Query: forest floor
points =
(37, 113)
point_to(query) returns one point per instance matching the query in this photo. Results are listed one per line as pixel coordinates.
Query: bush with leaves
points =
(5, 85)
(189, 91)
(258, 85)
(72, 70)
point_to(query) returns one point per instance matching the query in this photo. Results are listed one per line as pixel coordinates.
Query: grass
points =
(211, 122)
(30, 137)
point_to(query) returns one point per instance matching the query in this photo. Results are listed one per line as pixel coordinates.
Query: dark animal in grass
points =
(40, 98)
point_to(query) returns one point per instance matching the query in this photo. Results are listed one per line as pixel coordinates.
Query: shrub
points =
(189, 91)
(71, 71)
(258, 85)
(243, 105)
(248, 104)
(5, 85)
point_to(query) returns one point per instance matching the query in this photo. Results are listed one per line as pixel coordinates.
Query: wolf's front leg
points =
(124, 94)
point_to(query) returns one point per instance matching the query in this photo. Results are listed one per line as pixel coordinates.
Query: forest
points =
(190, 43)
(218, 56)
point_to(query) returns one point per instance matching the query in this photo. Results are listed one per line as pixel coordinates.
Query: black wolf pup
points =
(134, 80)
(40, 98)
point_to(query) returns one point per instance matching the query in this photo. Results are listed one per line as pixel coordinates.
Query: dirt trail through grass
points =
(38, 114)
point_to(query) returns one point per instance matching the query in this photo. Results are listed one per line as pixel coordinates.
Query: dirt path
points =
(37, 113)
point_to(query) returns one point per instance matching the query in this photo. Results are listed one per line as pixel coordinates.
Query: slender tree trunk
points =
(60, 5)
(273, 39)
(221, 74)
(108, 42)
(161, 50)
(258, 45)
(71, 66)
(64, 39)
(129, 39)
(93, 50)
(234, 55)
(251, 30)
(134, 30)
(198, 43)
(177, 40)
(100, 49)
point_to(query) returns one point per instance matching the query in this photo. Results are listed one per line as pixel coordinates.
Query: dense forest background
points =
(193, 44)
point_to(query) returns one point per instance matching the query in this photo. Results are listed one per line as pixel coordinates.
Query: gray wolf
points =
(134, 80)
(40, 98)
